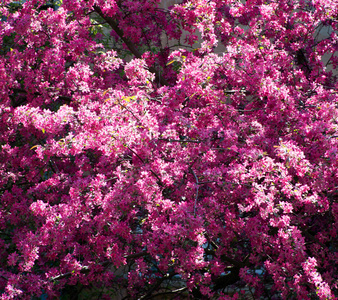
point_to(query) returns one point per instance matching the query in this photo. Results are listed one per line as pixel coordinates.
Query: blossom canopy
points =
(183, 151)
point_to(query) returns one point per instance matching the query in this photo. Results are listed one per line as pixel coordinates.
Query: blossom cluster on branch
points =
(141, 145)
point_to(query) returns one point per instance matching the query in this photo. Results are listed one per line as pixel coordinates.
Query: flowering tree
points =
(134, 154)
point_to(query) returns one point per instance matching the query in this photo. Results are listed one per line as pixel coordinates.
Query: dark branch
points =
(131, 46)
(86, 269)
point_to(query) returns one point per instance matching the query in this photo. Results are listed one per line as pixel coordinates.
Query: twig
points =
(197, 188)
(4, 277)
(180, 141)
(140, 158)
(125, 107)
(158, 283)
(177, 291)
(86, 269)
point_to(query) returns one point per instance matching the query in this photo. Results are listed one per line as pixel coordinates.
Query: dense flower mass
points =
(189, 151)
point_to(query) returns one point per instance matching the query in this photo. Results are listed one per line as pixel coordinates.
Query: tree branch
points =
(86, 269)
(180, 141)
(177, 291)
(131, 46)
(157, 285)
(197, 189)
